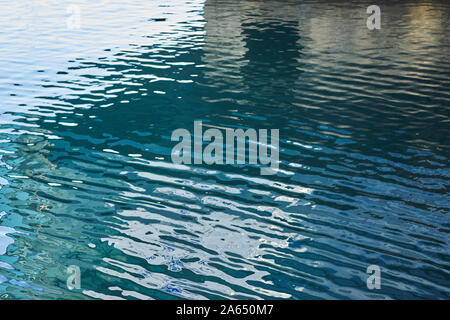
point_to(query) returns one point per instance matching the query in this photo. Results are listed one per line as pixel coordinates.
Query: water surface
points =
(86, 177)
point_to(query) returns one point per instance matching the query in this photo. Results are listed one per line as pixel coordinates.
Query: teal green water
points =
(86, 176)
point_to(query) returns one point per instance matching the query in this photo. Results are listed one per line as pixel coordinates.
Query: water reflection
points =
(86, 177)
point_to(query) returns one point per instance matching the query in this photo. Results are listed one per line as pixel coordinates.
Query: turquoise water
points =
(86, 176)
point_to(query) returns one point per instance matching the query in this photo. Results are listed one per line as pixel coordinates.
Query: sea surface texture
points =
(91, 91)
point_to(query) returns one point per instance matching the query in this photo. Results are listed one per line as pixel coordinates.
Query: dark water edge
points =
(86, 177)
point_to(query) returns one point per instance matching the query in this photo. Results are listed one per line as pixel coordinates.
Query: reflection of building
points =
(292, 56)
(246, 40)
(425, 26)
(321, 27)
(224, 47)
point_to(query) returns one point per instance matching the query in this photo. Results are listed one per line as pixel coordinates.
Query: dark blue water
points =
(86, 176)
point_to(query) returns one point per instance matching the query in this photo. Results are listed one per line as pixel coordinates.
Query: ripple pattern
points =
(86, 176)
